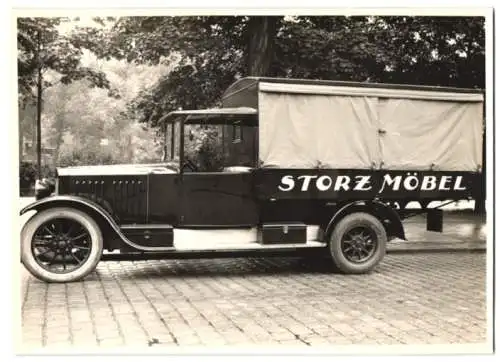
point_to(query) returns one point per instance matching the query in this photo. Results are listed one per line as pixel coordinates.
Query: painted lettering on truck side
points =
(408, 182)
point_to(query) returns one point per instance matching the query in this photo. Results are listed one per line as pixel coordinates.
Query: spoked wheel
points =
(358, 243)
(61, 245)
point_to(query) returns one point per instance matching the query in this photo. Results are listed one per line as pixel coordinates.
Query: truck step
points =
(156, 238)
(200, 246)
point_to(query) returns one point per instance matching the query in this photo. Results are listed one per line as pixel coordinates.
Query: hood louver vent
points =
(125, 197)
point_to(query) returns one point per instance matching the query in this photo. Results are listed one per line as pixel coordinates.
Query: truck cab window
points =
(237, 133)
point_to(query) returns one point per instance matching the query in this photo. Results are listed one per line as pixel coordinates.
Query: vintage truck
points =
(322, 168)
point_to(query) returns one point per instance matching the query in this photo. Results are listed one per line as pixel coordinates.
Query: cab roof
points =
(247, 115)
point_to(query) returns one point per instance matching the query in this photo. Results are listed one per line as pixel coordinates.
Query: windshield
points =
(211, 147)
(171, 148)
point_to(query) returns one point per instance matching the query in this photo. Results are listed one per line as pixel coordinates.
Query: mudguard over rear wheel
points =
(61, 245)
(358, 243)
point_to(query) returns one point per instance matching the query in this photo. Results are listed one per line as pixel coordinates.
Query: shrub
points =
(28, 175)
(79, 157)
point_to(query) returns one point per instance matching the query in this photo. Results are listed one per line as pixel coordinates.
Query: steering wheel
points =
(190, 165)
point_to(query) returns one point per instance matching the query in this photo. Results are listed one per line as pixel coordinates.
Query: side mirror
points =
(191, 135)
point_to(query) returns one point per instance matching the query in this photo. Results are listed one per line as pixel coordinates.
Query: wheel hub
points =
(358, 241)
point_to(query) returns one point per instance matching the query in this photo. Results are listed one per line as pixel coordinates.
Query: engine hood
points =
(119, 169)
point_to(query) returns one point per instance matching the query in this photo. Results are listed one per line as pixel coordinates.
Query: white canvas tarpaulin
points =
(321, 127)
(308, 131)
(444, 136)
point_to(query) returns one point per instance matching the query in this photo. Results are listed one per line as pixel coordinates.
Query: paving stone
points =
(409, 299)
(111, 342)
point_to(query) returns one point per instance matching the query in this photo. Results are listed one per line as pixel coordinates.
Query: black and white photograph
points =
(239, 181)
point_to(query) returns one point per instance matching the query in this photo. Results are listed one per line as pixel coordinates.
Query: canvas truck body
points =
(307, 166)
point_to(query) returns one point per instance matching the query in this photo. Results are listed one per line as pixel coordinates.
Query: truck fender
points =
(96, 211)
(101, 215)
(386, 214)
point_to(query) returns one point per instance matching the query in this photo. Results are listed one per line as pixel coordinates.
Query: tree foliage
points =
(46, 57)
(85, 126)
(42, 47)
(443, 51)
(209, 53)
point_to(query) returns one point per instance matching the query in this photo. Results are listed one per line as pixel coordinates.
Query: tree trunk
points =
(39, 98)
(261, 44)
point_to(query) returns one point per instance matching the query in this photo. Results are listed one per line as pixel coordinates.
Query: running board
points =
(165, 238)
(213, 254)
(238, 239)
(247, 246)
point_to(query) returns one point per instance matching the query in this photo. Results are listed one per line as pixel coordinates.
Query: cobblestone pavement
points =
(409, 299)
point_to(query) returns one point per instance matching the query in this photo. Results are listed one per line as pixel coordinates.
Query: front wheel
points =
(61, 245)
(358, 243)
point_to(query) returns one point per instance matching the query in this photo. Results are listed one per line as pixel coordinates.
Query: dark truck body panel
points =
(250, 199)
(238, 199)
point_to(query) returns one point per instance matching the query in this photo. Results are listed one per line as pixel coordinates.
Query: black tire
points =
(86, 255)
(340, 248)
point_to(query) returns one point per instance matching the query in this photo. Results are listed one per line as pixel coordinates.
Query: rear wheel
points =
(358, 243)
(61, 245)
